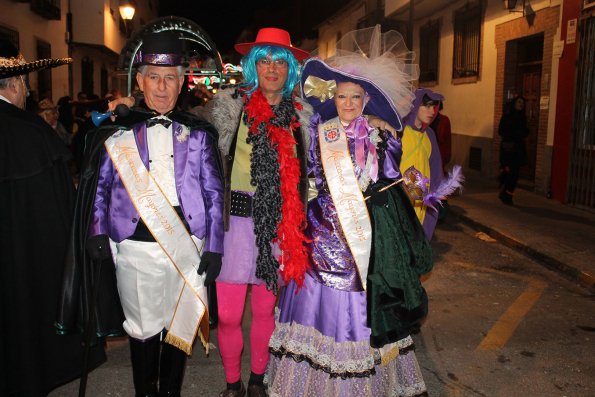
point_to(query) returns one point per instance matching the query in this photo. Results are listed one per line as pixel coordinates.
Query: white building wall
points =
(470, 106)
(95, 25)
(87, 21)
(32, 27)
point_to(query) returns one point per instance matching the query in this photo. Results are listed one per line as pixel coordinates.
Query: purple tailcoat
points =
(198, 185)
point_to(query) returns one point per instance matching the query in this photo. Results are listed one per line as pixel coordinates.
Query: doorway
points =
(523, 75)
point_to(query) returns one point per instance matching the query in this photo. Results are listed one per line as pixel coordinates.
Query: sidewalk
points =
(558, 236)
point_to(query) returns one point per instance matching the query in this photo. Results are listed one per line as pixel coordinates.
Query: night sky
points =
(230, 22)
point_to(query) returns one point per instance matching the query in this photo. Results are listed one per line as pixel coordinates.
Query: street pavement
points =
(558, 236)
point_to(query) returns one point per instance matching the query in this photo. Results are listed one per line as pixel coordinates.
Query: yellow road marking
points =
(509, 321)
(503, 329)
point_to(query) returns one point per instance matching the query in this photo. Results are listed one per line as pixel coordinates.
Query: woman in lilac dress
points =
(346, 330)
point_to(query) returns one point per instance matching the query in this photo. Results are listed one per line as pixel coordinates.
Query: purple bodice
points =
(331, 262)
(389, 150)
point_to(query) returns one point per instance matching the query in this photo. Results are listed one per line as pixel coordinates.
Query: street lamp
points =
(510, 5)
(127, 10)
(127, 13)
(526, 9)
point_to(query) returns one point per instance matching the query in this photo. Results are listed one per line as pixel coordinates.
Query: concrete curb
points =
(584, 279)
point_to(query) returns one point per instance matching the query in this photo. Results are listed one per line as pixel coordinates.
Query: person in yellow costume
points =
(420, 150)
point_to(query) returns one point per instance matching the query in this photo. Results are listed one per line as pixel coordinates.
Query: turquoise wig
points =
(249, 65)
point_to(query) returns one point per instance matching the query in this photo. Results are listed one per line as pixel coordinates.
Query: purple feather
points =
(446, 188)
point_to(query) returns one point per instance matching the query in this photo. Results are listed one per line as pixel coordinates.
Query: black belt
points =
(241, 204)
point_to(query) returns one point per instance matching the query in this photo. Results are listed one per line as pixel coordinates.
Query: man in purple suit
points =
(157, 211)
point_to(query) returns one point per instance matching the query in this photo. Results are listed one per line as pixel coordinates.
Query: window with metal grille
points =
(49, 9)
(429, 40)
(10, 35)
(87, 76)
(104, 74)
(44, 77)
(467, 41)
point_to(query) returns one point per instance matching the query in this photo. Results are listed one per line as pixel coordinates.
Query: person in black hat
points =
(151, 199)
(36, 201)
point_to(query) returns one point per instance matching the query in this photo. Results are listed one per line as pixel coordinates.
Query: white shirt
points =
(161, 160)
(5, 99)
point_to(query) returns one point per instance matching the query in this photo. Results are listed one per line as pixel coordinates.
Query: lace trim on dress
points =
(345, 360)
(338, 359)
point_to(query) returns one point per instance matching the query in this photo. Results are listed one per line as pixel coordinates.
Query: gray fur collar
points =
(227, 110)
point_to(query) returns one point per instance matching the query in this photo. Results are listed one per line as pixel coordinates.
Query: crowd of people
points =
(315, 203)
(71, 120)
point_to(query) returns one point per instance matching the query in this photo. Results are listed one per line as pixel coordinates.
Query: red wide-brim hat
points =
(274, 37)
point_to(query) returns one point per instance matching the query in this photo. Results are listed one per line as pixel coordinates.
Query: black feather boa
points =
(265, 175)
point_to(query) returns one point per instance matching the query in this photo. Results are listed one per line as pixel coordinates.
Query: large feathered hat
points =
(12, 63)
(380, 63)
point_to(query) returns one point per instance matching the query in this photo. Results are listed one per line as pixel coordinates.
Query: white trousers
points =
(149, 286)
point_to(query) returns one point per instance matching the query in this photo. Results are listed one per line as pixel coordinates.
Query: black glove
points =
(379, 198)
(211, 263)
(98, 247)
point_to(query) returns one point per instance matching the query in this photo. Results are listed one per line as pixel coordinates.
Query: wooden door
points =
(531, 89)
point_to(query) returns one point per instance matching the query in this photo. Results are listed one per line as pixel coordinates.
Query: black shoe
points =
(145, 365)
(505, 197)
(241, 392)
(257, 391)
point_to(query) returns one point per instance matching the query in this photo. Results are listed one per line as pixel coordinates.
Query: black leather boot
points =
(145, 365)
(171, 371)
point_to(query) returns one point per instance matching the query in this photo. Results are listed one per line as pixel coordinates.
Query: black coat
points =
(514, 130)
(36, 200)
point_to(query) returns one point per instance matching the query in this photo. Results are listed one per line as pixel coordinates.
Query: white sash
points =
(346, 194)
(190, 314)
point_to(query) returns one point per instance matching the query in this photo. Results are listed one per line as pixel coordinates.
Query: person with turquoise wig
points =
(263, 138)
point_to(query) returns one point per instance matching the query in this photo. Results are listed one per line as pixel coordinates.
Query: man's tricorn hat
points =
(12, 63)
(160, 49)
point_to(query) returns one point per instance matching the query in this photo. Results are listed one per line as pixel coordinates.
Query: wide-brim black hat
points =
(34, 66)
(12, 63)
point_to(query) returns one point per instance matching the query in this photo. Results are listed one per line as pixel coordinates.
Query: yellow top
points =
(417, 149)
(240, 172)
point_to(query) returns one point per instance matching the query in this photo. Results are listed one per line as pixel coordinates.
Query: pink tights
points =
(231, 299)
